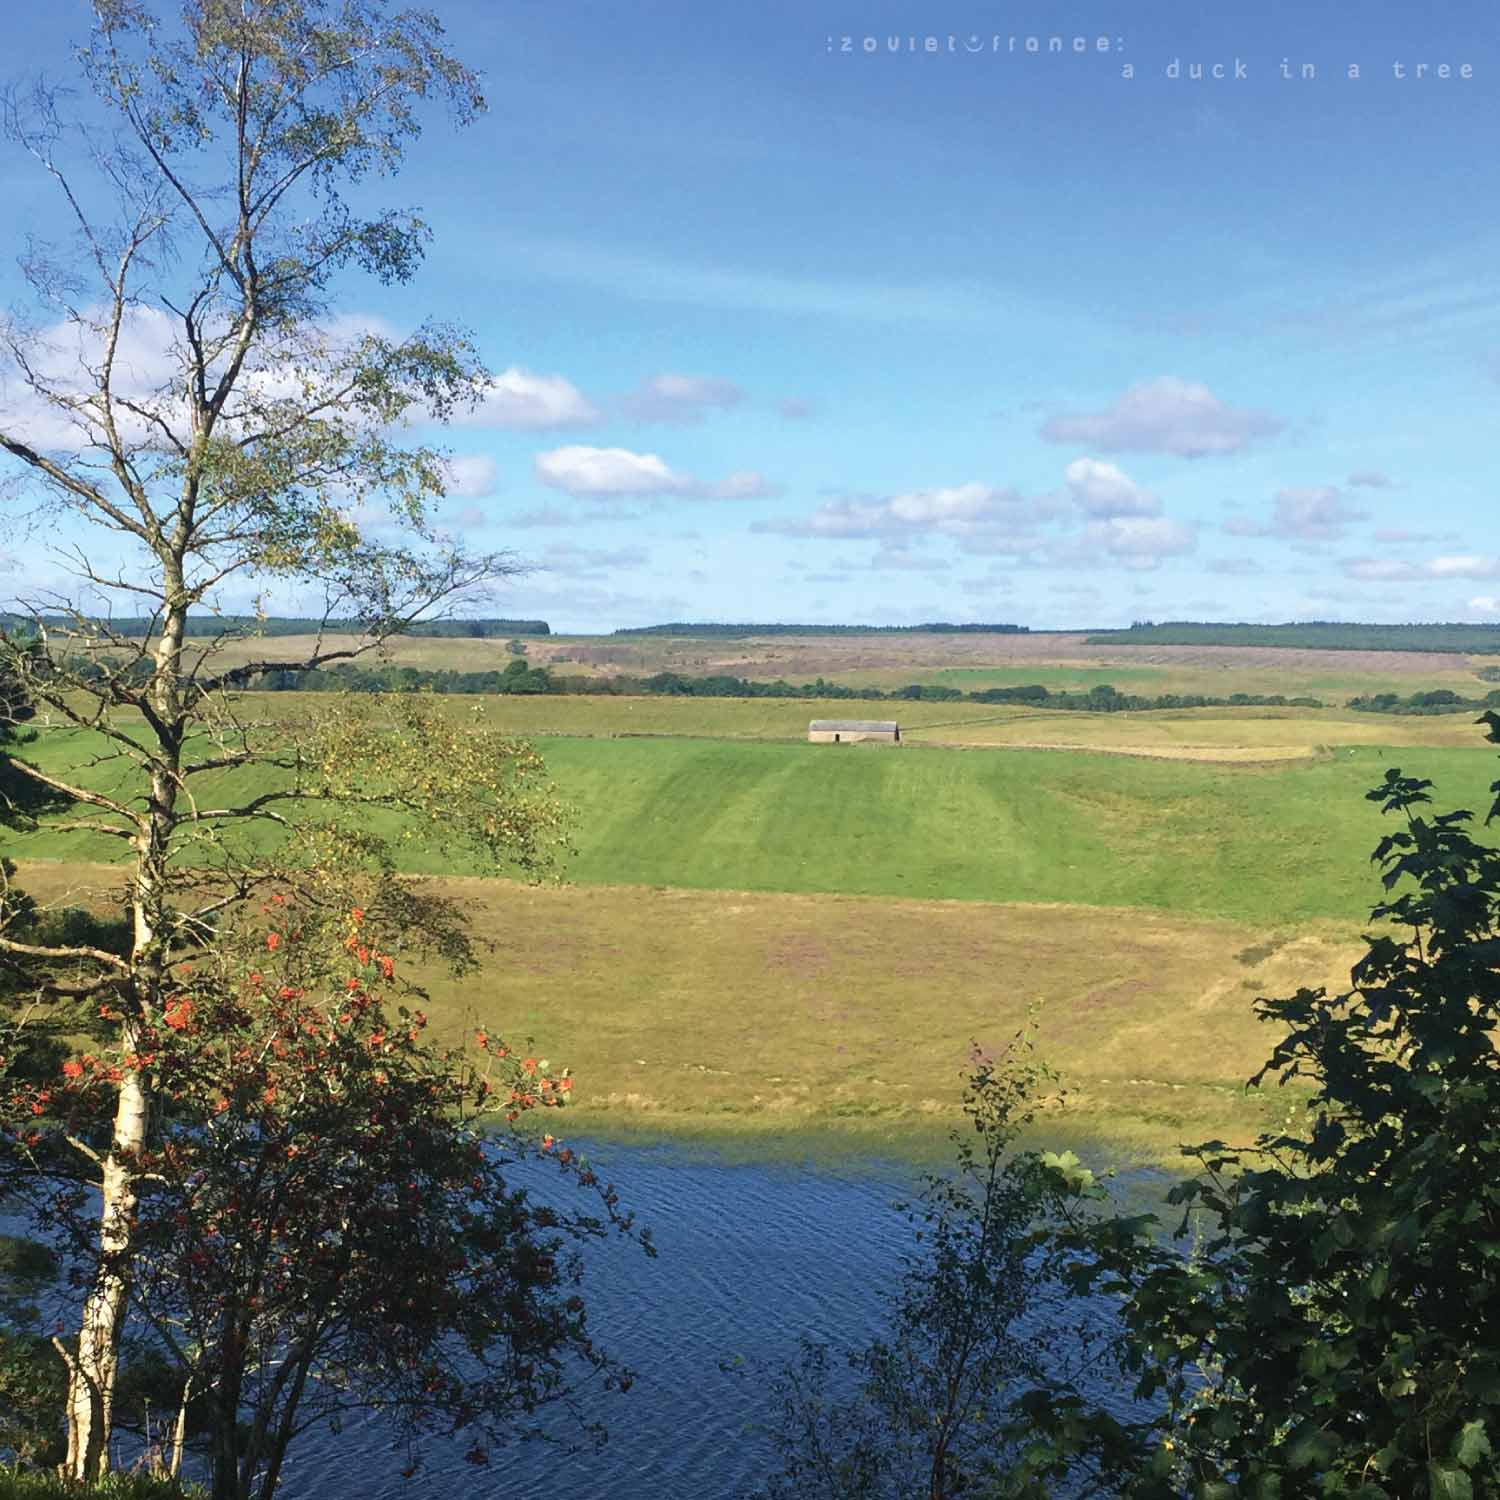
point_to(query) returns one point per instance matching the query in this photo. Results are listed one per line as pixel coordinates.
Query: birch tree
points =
(187, 412)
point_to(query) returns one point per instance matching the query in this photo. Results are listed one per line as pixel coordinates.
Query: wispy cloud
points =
(1317, 513)
(472, 476)
(1394, 570)
(1165, 415)
(679, 399)
(946, 302)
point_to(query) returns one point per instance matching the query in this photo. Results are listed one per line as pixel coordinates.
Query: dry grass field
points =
(788, 1023)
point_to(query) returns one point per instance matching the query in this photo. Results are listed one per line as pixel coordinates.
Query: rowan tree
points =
(329, 1220)
(187, 409)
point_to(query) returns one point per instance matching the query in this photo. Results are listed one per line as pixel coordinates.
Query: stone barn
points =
(854, 732)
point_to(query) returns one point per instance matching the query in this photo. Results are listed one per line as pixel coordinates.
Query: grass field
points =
(1261, 843)
(1212, 734)
(786, 1024)
(770, 945)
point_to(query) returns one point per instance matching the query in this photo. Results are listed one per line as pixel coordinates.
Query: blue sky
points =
(788, 331)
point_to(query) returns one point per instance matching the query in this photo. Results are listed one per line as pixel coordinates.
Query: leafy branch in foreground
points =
(1335, 1333)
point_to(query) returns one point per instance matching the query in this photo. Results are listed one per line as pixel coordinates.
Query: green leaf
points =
(1471, 1444)
(1449, 1484)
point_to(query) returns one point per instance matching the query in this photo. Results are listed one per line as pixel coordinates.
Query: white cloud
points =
(517, 400)
(1488, 604)
(987, 586)
(794, 408)
(1102, 490)
(609, 473)
(1141, 541)
(581, 470)
(1371, 479)
(1391, 570)
(62, 357)
(1165, 415)
(471, 476)
(958, 510)
(1464, 565)
(680, 398)
(1312, 514)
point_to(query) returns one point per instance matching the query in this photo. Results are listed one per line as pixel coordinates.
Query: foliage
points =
(1315, 635)
(1435, 701)
(968, 1328)
(330, 1227)
(199, 418)
(23, 1484)
(32, 1380)
(1335, 1336)
(517, 678)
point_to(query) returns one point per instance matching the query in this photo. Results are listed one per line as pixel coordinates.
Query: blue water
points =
(751, 1257)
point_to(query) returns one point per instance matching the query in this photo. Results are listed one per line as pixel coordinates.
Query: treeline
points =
(521, 677)
(709, 628)
(1325, 635)
(1438, 701)
(209, 626)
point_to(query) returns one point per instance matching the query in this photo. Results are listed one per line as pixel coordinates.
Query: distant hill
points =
(211, 625)
(1324, 635)
(710, 628)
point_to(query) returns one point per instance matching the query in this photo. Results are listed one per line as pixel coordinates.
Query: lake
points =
(751, 1257)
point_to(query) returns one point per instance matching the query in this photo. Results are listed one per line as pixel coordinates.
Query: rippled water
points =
(751, 1257)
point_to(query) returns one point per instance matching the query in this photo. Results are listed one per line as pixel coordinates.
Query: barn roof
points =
(856, 726)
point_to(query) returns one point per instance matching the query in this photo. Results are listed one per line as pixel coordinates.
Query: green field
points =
(1263, 843)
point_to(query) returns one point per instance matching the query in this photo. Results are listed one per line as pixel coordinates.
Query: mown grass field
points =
(1267, 843)
(768, 1022)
